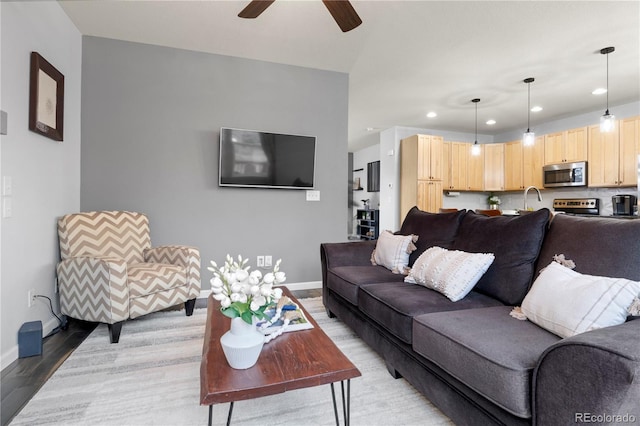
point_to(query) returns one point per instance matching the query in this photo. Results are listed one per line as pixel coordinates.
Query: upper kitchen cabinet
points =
(475, 171)
(427, 153)
(456, 163)
(629, 147)
(493, 166)
(566, 147)
(523, 164)
(613, 155)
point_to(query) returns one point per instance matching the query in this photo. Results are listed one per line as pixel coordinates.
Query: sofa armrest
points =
(353, 253)
(589, 375)
(94, 288)
(185, 256)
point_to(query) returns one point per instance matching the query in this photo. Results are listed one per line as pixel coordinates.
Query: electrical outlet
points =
(268, 261)
(31, 297)
(260, 262)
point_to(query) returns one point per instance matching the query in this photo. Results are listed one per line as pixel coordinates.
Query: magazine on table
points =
(290, 309)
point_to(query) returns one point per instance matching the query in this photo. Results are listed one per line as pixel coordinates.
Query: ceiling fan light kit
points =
(529, 137)
(342, 11)
(607, 120)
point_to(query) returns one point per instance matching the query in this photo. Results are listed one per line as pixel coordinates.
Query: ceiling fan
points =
(341, 10)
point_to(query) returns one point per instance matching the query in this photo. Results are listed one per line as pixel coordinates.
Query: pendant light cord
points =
(528, 106)
(476, 122)
(607, 112)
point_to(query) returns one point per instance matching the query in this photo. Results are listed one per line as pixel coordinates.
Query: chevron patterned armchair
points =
(109, 272)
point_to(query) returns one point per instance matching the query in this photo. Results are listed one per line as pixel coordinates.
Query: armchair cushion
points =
(106, 233)
(148, 278)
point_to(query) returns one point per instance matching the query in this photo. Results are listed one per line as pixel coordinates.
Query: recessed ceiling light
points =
(491, 122)
(536, 109)
(599, 91)
(432, 114)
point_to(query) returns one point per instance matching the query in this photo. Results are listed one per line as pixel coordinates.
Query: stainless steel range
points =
(578, 206)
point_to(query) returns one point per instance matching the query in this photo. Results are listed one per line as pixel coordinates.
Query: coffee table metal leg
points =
(346, 403)
(335, 406)
(230, 412)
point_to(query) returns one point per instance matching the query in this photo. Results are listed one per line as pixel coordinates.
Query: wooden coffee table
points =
(294, 360)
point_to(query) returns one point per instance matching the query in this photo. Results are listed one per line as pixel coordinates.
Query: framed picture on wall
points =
(46, 98)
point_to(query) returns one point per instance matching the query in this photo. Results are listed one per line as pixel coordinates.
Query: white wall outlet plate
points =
(313, 195)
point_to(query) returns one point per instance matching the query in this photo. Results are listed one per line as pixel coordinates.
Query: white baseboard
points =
(309, 285)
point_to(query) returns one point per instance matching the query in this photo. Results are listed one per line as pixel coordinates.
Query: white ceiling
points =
(411, 57)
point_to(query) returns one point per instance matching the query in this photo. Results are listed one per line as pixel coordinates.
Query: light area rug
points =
(152, 377)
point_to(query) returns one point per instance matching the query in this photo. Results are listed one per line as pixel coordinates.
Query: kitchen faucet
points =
(526, 191)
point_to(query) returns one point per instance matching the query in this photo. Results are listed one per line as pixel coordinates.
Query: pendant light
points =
(475, 148)
(607, 120)
(529, 138)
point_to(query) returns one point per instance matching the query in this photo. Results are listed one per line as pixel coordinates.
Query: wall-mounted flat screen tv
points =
(249, 158)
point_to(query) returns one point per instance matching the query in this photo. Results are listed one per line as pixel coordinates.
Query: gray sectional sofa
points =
(473, 360)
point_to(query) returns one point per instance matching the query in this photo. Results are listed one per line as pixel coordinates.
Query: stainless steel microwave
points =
(565, 174)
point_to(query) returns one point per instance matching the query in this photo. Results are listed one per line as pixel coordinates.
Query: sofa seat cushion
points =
(515, 241)
(487, 350)
(149, 278)
(345, 280)
(393, 305)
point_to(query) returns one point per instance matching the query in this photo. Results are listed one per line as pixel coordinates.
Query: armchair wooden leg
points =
(189, 305)
(114, 331)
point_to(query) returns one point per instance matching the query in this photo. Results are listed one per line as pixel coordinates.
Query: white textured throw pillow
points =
(567, 303)
(392, 251)
(450, 272)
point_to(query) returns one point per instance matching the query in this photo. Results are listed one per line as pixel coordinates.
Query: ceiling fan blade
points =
(255, 8)
(344, 14)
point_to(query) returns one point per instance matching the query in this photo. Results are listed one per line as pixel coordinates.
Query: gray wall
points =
(150, 125)
(45, 173)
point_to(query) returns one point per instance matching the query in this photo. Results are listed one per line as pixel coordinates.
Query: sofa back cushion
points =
(104, 233)
(515, 241)
(605, 247)
(432, 229)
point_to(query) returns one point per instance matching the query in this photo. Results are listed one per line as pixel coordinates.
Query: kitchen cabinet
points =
(566, 147)
(429, 196)
(475, 171)
(421, 158)
(629, 148)
(456, 162)
(523, 164)
(613, 155)
(494, 166)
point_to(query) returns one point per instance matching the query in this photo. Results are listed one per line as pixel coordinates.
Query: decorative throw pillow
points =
(450, 272)
(567, 303)
(392, 251)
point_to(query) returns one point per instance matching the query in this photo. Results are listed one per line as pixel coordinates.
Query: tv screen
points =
(271, 160)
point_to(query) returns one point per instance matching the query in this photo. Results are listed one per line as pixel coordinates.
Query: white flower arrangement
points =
(493, 199)
(242, 293)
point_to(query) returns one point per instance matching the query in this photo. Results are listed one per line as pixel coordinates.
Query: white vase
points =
(242, 344)
(493, 206)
